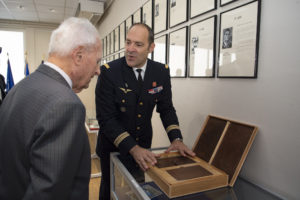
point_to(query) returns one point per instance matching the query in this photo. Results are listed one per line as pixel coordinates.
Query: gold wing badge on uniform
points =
(125, 90)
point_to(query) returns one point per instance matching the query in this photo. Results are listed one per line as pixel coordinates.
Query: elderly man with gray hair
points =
(44, 149)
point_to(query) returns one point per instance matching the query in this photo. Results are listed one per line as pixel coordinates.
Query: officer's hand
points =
(181, 147)
(143, 156)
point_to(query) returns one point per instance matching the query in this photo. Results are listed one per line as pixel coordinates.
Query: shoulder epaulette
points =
(166, 66)
(106, 65)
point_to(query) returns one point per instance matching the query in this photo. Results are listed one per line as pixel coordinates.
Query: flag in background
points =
(26, 69)
(9, 79)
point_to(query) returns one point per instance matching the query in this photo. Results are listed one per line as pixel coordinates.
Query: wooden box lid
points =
(225, 144)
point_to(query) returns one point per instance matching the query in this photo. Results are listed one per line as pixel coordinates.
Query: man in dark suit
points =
(126, 93)
(44, 149)
(2, 88)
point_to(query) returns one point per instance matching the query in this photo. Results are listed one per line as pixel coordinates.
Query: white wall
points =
(272, 101)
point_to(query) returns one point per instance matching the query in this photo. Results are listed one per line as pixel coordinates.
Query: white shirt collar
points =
(60, 71)
(143, 68)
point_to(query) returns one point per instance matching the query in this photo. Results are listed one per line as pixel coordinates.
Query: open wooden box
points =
(221, 149)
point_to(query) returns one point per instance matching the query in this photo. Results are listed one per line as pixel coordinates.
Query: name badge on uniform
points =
(155, 90)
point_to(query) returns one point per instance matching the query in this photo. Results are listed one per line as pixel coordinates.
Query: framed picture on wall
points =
(137, 16)
(128, 24)
(200, 7)
(177, 52)
(117, 38)
(104, 46)
(202, 48)
(160, 15)
(121, 54)
(160, 50)
(147, 13)
(108, 45)
(239, 36)
(178, 12)
(112, 42)
(225, 2)
(122, 35)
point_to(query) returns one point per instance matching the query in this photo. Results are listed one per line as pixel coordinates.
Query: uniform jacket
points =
(125, 115)
(44, 149)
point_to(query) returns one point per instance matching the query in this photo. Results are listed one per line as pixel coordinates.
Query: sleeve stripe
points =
(172, 127)
(120, 138)
(107, 66)
(166, 66)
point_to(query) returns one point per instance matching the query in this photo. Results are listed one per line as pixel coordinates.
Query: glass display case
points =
(125, 187)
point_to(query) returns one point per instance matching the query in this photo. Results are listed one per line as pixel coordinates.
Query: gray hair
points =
(73, 32)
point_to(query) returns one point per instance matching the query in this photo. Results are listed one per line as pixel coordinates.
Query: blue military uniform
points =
(124, 114)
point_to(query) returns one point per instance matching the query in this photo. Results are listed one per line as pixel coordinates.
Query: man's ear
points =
(77, 55)
(151, 48)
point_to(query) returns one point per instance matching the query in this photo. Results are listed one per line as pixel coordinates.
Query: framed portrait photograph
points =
(104, 46)
(117, 39)
(160, 15)
(160, 50)
(177, 52)
(178, 12)
(122, 54)
(137, 16)
(112, 42)
(128, 24)
(147, 13)
(239, 39)
(200, 7)
(225, 2)
(108, 45)
(202, 48)
(122, 35)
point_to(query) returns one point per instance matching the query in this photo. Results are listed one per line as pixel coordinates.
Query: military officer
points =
(126, 93)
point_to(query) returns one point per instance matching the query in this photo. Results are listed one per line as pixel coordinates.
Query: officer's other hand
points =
(143, 156)
(181, 148)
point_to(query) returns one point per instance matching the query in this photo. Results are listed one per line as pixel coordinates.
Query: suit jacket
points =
(124, 114)
(44, 149)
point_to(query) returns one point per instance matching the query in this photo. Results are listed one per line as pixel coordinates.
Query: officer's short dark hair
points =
(150, 31)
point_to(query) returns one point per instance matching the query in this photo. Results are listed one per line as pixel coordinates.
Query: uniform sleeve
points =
(166, 109)
(57, 151)
(108, 113)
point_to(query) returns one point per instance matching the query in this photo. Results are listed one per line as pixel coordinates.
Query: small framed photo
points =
(160, 50)
(128, 24)
(177, 52)
(104, 46)
(147, 13)
(111, 42)
(108, 44)
(178, 12)
(122, 35)
(202, 48)
(117, 39)
(198, 8)
(225, 2)
(122, 54)
(137, 16)
(160, 15)
(239, 41)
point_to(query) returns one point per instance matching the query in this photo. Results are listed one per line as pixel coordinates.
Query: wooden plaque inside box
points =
(221, 149)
